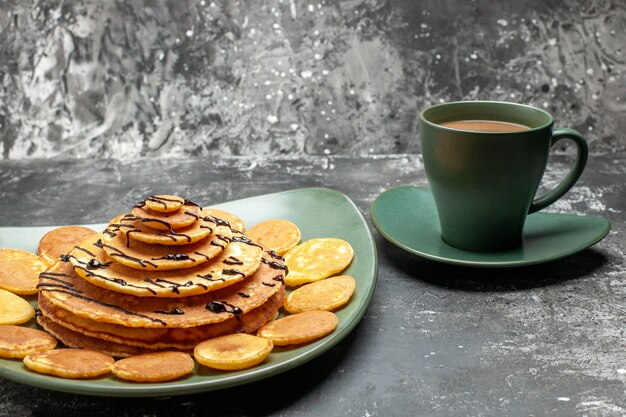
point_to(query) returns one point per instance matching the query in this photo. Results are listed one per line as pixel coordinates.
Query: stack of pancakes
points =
(168, 275)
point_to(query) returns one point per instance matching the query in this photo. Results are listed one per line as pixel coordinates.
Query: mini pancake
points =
(141, 255)
(278, 235)
(19, 271)
(62, 287)
(135, 229)
(164, 203)
(164, 338)
(76, 340)
(187, 215)
(70, 363)
(14, 309)
(238, 260)
(233, 352)
(154, 367)
(299, 328)
(317, 259)
(61, 241)
(17, 341)
(327, 294)
(235, 222)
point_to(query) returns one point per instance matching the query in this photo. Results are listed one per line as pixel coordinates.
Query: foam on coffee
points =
(484, 126)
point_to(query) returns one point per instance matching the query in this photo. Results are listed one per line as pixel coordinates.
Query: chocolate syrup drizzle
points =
(129, 217)
(216, 221)
(202, 254)
(275, 265)
(224, 307)
(176, 311)
(231, 260)
(275, 255)
(175, 257)
(223, 238)
(209, 277)
(243, 239)
(161, 200)
(233, 272)
(191, 203)
(88, 252)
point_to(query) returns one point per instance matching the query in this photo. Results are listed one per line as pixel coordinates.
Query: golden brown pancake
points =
(299, 328)
(136, 230)
(317, 259)
(61, 241)
(162, 338)
(145, 256)
(278, 235)
(233, 352)
(18, 341)
(154, 367)
(70, 363)
(239, 260)
(164, 203)
(14, 309)
(66, 290)
(187, 215)
(77, 340)
(19, 271)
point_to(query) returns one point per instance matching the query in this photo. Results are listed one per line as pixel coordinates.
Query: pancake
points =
(239, 259)
(14, 309)
(76, 340)
(162, 338)
(164, 203)
(145, 256)
(317, 259)
(19, 341)
(233, 352)
(70, 363)
(66, 290)
(278, 235)
(234, 222)
(187, 215)
(20, 270)
(299, 328)
(61, 241)
(328, 294)
(154, 367)
(136, 230)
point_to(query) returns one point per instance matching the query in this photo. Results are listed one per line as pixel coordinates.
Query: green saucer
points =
(407, 217)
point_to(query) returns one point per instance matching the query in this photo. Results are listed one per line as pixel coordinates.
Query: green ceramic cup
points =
(484, 183)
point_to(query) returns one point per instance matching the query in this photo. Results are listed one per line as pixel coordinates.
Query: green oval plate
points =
(407, 217)
(318, 212)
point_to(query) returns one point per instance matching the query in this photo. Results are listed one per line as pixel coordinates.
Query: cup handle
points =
(574, 174)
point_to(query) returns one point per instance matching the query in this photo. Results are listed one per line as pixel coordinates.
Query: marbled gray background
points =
(126, 79)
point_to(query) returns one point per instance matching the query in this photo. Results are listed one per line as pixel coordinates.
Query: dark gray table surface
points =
(437, 340)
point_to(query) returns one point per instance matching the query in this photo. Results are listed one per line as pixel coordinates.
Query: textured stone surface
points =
(437, 340)
(204, 78)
